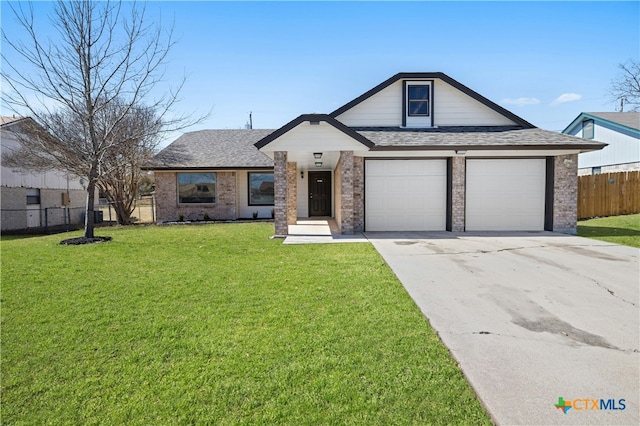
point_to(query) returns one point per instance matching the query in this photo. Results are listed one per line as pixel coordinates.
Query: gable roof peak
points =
(626, 119)
(434, 75)
(313, 118)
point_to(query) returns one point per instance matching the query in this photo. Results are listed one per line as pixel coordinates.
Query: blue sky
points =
(544, 61)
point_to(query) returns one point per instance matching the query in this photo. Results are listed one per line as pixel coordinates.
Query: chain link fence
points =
(44, 220)
(143, 212)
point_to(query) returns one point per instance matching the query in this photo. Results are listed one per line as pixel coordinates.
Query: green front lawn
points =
(616, 229)
(217, 324)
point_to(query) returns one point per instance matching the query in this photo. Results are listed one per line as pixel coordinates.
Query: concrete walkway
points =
(319, 231)
(531, 318)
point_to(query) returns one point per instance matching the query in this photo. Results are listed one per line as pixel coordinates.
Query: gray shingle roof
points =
(470, 137)
(629, 119)
(213, 149)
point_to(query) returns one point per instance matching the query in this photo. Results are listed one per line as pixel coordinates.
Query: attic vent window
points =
(418, 101)
(314, 123)
(587, 129)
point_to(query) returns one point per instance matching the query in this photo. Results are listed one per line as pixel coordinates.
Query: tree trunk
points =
(123, 213)
(89, 219)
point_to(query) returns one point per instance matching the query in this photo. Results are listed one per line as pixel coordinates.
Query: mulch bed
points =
(83, 240)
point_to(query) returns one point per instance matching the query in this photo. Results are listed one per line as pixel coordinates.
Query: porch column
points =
(292, 194)
(565, 193)
(280, 192)
(346, 192)
(458, 183)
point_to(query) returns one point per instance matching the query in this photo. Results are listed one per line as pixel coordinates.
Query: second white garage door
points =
(405, 195)
(505, 195)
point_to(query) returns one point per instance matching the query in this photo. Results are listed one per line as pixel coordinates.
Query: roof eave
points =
(585, 115)
(187, 168)
(537, 147)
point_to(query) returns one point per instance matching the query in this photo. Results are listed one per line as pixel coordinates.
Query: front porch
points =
(333, 189)
(320, 230)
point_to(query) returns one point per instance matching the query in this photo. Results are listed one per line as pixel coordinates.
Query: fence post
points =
(46, 220)
(153, 208)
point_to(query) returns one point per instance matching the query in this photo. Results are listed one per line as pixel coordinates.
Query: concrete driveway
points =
(530, 318)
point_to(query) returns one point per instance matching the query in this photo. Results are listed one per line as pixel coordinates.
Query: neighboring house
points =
(418, 152)
(32, 199)
(620, 130)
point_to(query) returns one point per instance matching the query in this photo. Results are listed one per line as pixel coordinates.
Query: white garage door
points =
(505, 195)
(405, 195)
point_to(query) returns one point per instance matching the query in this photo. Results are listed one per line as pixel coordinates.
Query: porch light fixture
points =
(318, 163)
(317, 155)
(301, 174)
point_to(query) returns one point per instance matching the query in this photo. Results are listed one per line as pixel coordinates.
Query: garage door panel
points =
(505, 194)
(405, 195)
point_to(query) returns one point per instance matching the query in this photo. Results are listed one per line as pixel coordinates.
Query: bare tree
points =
(625, 88)
(137, 136)
(85, 87)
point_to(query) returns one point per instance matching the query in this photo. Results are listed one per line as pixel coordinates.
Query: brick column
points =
(346, 192)
(458, 183)
(292, 194)
(358, 194)
(565, 193)
(280, 192)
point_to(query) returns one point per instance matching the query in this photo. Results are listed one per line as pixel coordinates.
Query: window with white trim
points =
(418, 103)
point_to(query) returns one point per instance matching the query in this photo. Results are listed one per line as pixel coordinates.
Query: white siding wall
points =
(382, 109)
(21, 179)
(303, 195)
(454, 108)
(245, 211)
(622, 148)
(451, 108)
(321, 137)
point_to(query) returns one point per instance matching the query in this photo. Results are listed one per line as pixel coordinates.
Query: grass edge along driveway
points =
(217, 324)
(623, 230)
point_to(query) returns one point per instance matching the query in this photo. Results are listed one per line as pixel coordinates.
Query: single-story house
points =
(34, 198)
(620, 130)
(420, 151)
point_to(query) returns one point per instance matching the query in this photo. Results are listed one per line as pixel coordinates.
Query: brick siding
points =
(168, 210)
(458, 188)
(346, 182)
(565, 193)
(280, 192)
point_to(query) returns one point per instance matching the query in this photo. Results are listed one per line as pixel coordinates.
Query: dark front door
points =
(319, 193)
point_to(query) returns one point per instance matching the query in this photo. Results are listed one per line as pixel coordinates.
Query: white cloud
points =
(566, 97)
(521, 101)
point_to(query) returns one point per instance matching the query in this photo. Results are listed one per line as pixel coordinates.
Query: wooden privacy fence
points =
(608, 194)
